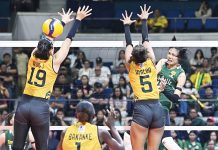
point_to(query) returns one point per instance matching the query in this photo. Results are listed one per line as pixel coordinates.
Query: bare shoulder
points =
(160, 64)
(33, 51)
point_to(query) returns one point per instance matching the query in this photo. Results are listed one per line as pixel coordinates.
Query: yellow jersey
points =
(81, 137)
(143, 79)
(40, 78)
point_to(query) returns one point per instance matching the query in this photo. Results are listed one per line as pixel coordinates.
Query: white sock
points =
(170, 144)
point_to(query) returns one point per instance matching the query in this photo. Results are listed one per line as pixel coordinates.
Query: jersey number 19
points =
(40, 76)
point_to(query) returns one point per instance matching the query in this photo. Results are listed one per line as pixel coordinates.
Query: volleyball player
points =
(172, 76)
(148, 121)
(85, 136)
(43, 66)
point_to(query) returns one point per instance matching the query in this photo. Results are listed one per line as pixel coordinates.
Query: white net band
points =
(114, 43)
(176, 128)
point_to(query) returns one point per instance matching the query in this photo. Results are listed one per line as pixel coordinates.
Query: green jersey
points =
(193, 145)
(171, 76)
(8, 139)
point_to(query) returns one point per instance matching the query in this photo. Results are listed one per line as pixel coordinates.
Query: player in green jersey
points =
(171, 78)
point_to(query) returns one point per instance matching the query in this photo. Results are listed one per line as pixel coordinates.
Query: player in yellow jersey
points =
(148, 120)
(33, 110)
(85, 136)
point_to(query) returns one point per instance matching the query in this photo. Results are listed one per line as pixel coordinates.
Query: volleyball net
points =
(121, 44)
(125, 128)
(110, 44)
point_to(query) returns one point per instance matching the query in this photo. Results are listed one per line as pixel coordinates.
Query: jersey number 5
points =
(143, 83)
(40, 75)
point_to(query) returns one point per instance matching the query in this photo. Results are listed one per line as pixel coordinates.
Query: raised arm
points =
(115, 142)
(129, 47)
(63, 52)
(144, 16)
(160, 65)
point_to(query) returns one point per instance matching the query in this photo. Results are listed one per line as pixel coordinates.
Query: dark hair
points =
(195, 132)
(43, 48)
(85, 77)
(86, 111)
(125, 84)
(98, 60)
(202, 54)
(6, 54)
(121, 93)
(139, 54)
(182, 54)
(213, 49)
(120, 117)
(98, 85)
(119, 58)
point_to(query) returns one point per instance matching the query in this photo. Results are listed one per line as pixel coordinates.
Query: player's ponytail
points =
(43, 49)
(182, 54)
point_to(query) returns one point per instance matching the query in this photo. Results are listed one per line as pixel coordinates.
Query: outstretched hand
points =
(127, 19)
(83, 12)
(144, 13)
(111, 118)
(162, 85)
(65, 17)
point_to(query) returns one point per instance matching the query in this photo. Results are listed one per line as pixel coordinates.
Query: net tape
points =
(177, 128)
(114, 43)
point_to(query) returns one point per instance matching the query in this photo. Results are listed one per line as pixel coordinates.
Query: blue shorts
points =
(149, 113)
(31, 112)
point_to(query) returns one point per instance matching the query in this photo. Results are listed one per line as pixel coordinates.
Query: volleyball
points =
(52, 27)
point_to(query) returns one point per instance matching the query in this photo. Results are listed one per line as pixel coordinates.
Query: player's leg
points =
(20, 134)
(40, 123)
(167, 140)
(138, 135)
(40, 134)
(156, 127)
(21, 127)
(142, 117)
(154, 138)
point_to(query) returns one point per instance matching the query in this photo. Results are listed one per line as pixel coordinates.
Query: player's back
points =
(81, 136)
(143, 79)
(40, 77)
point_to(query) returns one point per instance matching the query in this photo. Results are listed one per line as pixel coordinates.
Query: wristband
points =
(127, 35)
(179, 88)
(63, 24)
(144, 31)
(73, 29)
